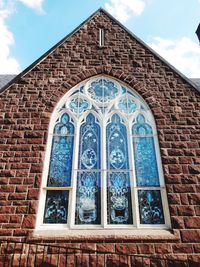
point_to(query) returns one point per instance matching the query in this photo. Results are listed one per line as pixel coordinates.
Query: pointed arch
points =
(103, 160)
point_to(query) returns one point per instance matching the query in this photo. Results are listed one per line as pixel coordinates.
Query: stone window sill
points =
(105, 235)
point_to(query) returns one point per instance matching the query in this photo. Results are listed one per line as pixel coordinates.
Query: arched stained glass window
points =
(103, 166)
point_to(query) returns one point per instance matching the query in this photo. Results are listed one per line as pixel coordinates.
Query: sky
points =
(28, 28)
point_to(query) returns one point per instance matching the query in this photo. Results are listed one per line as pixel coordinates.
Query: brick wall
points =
(26, 107)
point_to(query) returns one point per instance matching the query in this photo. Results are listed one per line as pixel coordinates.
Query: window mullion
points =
(103, 175)
(133, 184)
(72, 202)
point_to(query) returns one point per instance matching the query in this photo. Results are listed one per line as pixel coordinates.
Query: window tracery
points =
(103, 167)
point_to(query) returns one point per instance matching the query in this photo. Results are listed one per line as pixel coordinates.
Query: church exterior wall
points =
(25, 110)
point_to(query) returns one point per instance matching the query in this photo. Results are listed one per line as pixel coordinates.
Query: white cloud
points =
(183, 54)
(124, 9)
(34, 4)
(8, 64)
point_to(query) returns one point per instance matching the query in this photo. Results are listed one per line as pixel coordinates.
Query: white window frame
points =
(128, 118)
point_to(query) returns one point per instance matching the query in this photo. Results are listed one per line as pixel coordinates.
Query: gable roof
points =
(5, 79)
(36, 62)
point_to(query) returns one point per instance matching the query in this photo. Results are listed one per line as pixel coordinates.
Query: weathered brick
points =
(145, 249)
(163, 248)
(185, 210)
(28, 222)
(126, 248)
(33, 193)
(182, 248)
(190, 236)
(107, 247)
(193, 223)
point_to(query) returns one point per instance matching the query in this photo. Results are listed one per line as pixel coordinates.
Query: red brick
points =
(192, 223)
(174, 198)
(177, 223)
(29, 221)
(194, 199)
(17, 196)
(16, 218)
(162, 248)
(197, 210)
(196, 248)
(22, 210)
(175, 169)
(190, 236)
(4, 218)
(184, 188)
(7, 209)
(182, 248)
(185, 210)
(145, 249)
(33, 207)
(126, 248)
(33, 193)
(36, 168)
(107, 247)
(5, 232)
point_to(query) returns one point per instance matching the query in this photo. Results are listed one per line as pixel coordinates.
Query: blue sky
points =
(28, 28)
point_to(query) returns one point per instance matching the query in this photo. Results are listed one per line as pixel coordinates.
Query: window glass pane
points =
(56, 207)
(127, 105)
(61, 153)
(118, 181)
(150, 207)
(89, 144)
(119, 198)
(61, 161)
(78, 104)
(102, 90)
(144, 154)
(88, 198)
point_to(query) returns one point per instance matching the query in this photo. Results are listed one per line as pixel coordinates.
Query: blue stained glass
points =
(103, 90)
(118, 183)
(64, 126)
(61, 161)
(78, 105)
(88, 202)
(88, 183)
(144, 153)
(89, 148)
(61, 154)
(117, 151)
(119, 198)
(127, 105)
(150, 207)
(56, 207)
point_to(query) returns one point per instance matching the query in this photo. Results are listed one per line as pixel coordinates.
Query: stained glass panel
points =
(61, 153)
(144, 154)
(56, 207)
(116, 144)
(78, 105)
(118, 181)
(88, 195)
(119, 198)
(64, 126)
(89, 144)
(88, 198)
(150, 207)
(61, 161)
(103, 90)
(127, 105)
